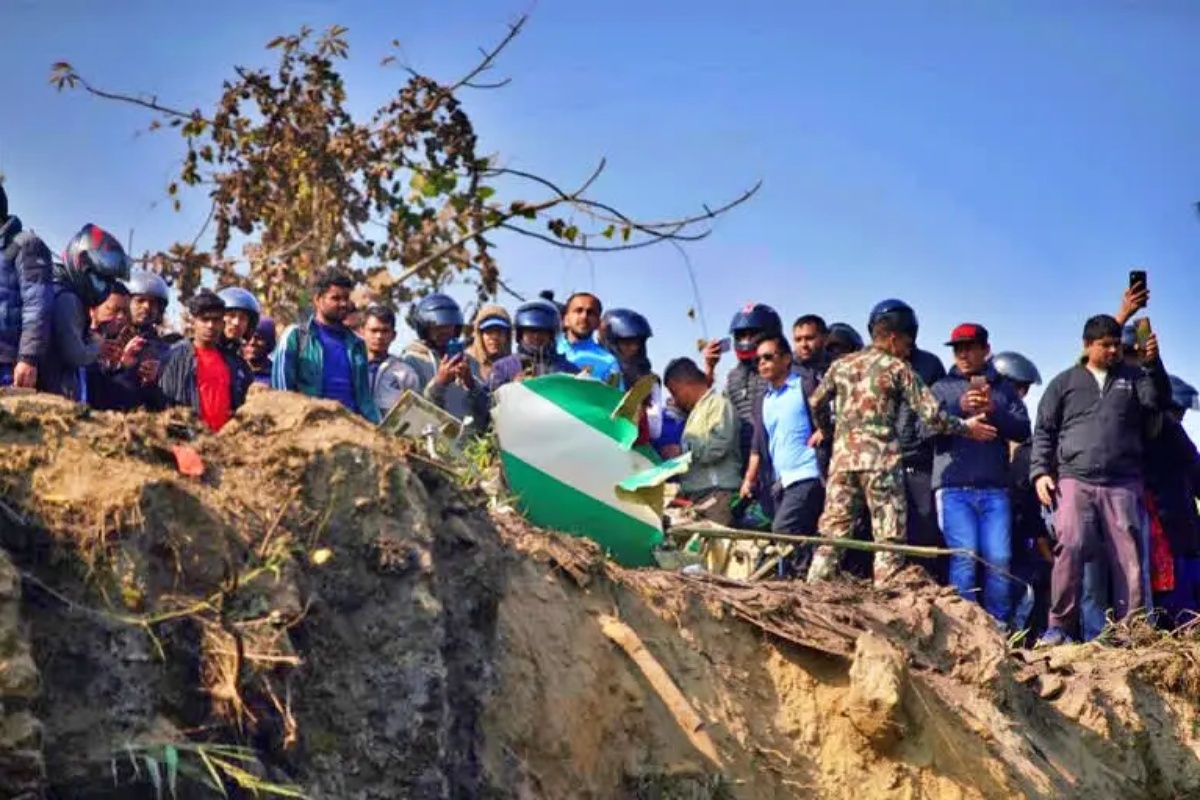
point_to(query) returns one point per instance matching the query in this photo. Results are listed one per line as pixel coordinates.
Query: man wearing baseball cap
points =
(970, 478)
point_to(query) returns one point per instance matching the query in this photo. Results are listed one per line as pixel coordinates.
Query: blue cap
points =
(494, 322)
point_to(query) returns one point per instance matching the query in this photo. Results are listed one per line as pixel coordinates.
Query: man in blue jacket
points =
(25, 300)
(970, 479)
(1088, 463)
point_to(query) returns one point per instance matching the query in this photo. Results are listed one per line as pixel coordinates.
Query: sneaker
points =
(1054, 637)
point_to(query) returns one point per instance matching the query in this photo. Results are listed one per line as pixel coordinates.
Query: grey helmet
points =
(148, 284)
(238, 299)
(1016, 368)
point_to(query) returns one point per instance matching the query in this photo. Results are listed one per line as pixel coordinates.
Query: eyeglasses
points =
(769, 357)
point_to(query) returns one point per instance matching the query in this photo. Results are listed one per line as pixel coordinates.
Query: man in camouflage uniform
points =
(865, 474)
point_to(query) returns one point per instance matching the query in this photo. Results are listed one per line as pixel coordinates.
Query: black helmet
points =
(621, 323)
(436, 309)
(756, 317)
(1016, 367)
(92, 262)
(898, 312)
(539, 315)
(842, 334)
(1183, 395)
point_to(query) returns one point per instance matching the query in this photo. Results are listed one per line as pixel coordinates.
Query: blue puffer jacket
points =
(25, 294)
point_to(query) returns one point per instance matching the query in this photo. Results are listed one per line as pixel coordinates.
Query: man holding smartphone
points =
(970, 478)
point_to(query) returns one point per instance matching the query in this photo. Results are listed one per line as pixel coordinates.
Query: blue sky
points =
(1004, 163)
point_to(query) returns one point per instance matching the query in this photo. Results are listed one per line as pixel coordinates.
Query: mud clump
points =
(323, 614)
(313, 601)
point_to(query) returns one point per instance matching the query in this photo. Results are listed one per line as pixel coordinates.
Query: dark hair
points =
(781, 343)
(3, 203)
(205, 301)
(814, 320)
(683, 369)
(330, 277)
(381, 313)
(571, 299)
(1101, 326)
(117, 286)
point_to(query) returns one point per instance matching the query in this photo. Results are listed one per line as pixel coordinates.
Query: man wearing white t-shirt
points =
(1087, 464)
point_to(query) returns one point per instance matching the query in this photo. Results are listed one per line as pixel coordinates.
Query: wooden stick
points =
(663, 685)
(711, 531)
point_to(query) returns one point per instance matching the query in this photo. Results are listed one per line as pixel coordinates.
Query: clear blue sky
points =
(1004, 163)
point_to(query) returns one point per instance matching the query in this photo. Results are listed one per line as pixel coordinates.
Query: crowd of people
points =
(1056, 523)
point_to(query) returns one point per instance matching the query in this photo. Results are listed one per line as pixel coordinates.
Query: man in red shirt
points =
(202, 375)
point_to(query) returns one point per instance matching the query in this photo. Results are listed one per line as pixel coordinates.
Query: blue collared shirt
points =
(788, 426)
(589, 353)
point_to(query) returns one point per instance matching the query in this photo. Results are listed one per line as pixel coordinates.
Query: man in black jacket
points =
(1088, 463)
(916, 449)
(203, 374)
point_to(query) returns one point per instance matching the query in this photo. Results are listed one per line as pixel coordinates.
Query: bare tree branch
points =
(284, 164)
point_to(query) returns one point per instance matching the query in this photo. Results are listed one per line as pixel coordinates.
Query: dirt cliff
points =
(322, 614)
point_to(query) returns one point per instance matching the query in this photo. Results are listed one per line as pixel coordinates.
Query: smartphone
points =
(1142, 330)
(725, 345)
(979, 382)
(1137, 278)
(115, 331)
(454, 347)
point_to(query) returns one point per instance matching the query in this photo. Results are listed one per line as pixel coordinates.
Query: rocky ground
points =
(321, 614)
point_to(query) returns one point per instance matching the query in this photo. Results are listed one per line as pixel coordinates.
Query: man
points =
(971, 479)
(26, 298)
(390, 375)
(538, 325)
(865, 474)
(743, 385)
(1032, 552)
(809, 333)
(448, 376)
(711, 436)
(93, 263)
(258, 349)
(841, 340)
(916, 444)
(113, 313)
(203, 374)
(242, 311)
(133, 382)
(1088, 461)
(783, 429)
(322, 357)
(578, 343)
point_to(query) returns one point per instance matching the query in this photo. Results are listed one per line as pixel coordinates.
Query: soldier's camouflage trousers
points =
(850, 495)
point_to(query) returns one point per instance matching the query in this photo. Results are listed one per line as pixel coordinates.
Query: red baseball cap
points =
(966, 333)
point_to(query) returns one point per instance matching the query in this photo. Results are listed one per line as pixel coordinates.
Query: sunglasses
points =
(768, 357)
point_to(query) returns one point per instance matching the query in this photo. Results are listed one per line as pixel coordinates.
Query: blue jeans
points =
(979, 520)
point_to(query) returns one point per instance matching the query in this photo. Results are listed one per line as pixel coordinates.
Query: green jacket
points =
(299, 365)
(711, 435)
